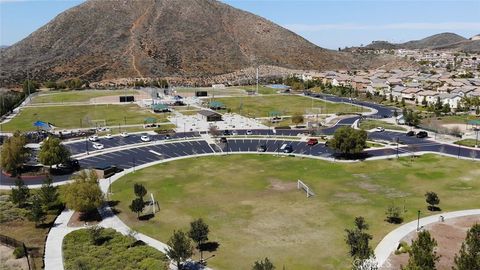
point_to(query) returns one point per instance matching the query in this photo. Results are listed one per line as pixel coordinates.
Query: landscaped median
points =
(468, 142)
(98, 248)
(371, 124)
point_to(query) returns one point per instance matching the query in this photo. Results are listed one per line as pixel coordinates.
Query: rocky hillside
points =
(436, 42)
(100, 40)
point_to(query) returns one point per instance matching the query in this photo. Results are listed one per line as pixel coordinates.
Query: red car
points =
(312, 141)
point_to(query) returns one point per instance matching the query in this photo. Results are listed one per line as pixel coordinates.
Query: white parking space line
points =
(155, 152)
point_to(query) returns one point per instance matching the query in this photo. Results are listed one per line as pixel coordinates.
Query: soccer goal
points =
(305, 187)
(98, 123)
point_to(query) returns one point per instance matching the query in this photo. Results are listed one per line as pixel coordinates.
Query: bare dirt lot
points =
(449, 235)
(8, 261)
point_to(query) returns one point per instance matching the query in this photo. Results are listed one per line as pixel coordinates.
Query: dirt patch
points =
(375, 188)
(79, 220)
(449, 235)
(278, 185)
(349, 197)
(8, 261)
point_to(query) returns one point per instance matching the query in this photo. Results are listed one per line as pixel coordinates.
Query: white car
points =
(93, 138)
(379, 129)
(108, 136)
(124, 134)
(98, 146)
(249, 132)
(145, 138)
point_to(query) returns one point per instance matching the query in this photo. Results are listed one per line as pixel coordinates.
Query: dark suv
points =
(422, 134)
(411, 133)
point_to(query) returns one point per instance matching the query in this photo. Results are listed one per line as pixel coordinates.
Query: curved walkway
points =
(391, 241)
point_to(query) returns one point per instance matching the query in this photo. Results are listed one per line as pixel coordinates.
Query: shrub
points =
(19, 252)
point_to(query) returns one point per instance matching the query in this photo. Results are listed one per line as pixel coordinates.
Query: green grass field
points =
(370, 124)
(79, 116)
(77, 96)
(285, 104)
(254, 209)
(263, 90)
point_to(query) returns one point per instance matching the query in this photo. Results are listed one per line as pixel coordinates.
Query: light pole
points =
(397, 146)
(86, 144)
(476, 138)
(418, 221)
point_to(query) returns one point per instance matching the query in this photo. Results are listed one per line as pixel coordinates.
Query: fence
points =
(11, 242)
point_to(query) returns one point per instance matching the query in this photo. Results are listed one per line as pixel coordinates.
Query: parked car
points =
(312, 141)
(249, 132)
(223, 140)
(411, 133)
(226, 132)
(422, 134)
(167, 137)
(98, 146)
(287, 148)
(145, 138)
(124, 134)
(234, 133)
(379, 129)
(93, 138)
(262, 148)
(108, 136)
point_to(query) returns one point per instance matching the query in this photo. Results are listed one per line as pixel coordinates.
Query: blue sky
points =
(327, 23)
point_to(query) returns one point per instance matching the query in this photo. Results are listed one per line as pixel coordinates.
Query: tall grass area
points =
(115, 251)
(255, 210)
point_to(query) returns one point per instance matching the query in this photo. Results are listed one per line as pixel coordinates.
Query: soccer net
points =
(305, 187)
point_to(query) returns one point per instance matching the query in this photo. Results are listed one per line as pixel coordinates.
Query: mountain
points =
(441, 41)
(154, 38)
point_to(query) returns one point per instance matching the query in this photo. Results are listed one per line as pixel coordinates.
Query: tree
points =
(264, 264)
(137, 206)
(50, 84)
(37, 214)
(214, 131)
(179, 248)
(20, 193)
(469, 255)
(95, 234)
(422, 253)
(358, 240)
(297, 118)
(432, 199)
(348, 140)
(48, 193)
(29, 87)
(53, 152)
(14, 153)
(393, 214)
(83, 194)
(139, 190)
(199, 233)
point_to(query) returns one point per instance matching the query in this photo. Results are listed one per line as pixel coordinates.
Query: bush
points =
(19, 252)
